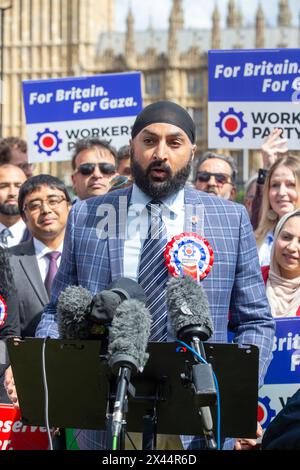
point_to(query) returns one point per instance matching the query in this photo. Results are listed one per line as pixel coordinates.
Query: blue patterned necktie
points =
(4, 234)
(153, 274)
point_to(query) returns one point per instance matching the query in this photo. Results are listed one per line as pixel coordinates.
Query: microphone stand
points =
(118, 421)
(204, 411)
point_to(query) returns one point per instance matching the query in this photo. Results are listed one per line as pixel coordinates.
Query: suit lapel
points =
(196, 218)
(194, 212)
(117, 240)
(30, 267)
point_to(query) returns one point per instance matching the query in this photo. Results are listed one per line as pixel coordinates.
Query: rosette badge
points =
(189, 254)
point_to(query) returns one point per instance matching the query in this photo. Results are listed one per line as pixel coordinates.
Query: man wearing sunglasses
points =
(94, 166)
(216, 174)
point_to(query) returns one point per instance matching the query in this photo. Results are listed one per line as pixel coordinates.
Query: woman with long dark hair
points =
(9, 322)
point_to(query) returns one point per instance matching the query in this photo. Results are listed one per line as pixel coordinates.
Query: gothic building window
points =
(153, 84)
(198, 117)
(194, 84)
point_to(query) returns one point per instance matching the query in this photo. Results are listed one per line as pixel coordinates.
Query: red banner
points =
(14, 435)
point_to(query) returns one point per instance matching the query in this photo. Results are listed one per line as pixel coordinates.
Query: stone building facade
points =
(56, 38)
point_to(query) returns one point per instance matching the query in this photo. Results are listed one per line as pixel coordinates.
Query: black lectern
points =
(81, 386)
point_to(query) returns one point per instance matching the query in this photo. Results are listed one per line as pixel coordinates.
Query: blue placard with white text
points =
(250, 93)
(283, 376)
(61, 111)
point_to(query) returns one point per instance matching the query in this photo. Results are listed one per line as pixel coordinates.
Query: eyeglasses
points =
(87, 169)
(221, 178)
(36, 205)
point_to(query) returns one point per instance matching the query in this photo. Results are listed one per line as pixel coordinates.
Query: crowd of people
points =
(49, 242)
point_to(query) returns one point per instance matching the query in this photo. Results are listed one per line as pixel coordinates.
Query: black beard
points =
(157, 189)
(8, 209)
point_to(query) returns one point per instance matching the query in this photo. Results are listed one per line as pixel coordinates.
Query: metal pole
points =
(2, 11)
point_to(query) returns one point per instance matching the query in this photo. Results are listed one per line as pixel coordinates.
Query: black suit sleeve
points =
(11, 326)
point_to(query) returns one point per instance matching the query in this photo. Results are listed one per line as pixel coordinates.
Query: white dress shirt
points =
(17, 232)
(137, 225)
(43, 261)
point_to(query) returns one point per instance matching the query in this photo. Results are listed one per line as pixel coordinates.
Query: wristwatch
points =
(262, 174)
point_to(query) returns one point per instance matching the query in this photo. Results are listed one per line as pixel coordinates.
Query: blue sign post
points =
(61, 111)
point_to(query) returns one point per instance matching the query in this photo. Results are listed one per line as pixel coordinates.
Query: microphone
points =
(73, 313)
(128, 339)
(191, 322)
(189, 309)
(80, 315)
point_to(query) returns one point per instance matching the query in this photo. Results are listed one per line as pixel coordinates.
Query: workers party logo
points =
(265, 413)
(231, 124)
(48, 141)
(189, 254)
(3, 311)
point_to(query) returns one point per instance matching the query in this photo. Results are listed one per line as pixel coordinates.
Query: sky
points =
(197, 12)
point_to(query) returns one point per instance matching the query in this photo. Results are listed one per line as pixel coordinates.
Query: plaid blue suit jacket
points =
(235, 284)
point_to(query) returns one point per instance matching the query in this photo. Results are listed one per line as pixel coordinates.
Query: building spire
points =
(260, 27)
(284, 17)
(239, 18)
(176, 23)
(216, 31)
(232, 15)
(130, 55)
(177, 15)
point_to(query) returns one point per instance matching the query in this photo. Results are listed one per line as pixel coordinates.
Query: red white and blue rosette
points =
(189, 254)
(3, 311)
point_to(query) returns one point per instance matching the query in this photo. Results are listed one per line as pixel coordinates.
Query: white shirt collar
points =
(174, 203)
(15, 229)
(41, 249)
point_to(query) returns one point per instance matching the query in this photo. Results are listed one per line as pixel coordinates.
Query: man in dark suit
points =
(44, 204)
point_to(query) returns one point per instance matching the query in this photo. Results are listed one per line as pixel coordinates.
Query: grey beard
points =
(8, 209)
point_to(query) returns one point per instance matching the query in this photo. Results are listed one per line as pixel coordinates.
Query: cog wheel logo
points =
(265, 413)
(189, 251)
(48, 141)
(231, 124)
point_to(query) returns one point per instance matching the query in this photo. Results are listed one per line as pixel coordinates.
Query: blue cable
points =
(217, 389)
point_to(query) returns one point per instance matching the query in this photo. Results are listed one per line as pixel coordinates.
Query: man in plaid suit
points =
(100, 246)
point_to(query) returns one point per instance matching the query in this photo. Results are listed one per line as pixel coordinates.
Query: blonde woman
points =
(281, 195)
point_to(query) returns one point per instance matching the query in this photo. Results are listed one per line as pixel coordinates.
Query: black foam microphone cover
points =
(129, 335)
(73, 313)
(189, 309)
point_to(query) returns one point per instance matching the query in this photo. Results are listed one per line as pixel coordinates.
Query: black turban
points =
(165, 112)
